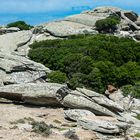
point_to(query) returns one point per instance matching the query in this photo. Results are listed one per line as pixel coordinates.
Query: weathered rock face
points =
(37, 94)
(101, 100)
(9, 30)
(77, 114)
(45, 36)
(16, 69)
(51, 94)
(66, 28)
(78, 100)
(127, 103)
(84, 23)
(65, 97)
(11, 41)
(86, 19)
(137, 35)
(103, 125)
(131, 15)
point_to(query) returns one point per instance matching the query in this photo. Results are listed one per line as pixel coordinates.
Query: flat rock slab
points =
(86, 19)
(77, 114)
(51, 93)
(67, 28)
(105, 125)
(101, 100)
(77, 100)
(37, 94)
(18, 69)
(11, 41)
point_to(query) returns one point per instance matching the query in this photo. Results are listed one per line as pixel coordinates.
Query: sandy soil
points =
(11, 129)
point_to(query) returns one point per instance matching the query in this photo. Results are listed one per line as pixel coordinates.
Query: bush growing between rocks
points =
(57, 77)
(108, 24)
(134, 90)
(20, 24)
(91, 61)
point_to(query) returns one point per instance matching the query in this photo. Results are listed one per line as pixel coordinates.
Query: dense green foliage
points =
(108, 24)
(137, 135)
(91, 61)
(134, 90)
(57, 77)
(20, 24)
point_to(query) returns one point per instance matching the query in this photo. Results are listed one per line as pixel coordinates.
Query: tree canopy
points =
(92, 61)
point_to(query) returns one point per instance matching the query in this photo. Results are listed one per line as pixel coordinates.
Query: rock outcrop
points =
(65, 28)
(5, 30)
(84, 23)
(31, 93)
(77, 114)
(16, 69)
(11, 41)
(103, 125)
(65, 97)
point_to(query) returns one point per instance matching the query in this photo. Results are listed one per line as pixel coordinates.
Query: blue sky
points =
(40, 11)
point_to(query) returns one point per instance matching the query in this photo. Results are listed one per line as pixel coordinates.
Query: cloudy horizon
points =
(38, 11)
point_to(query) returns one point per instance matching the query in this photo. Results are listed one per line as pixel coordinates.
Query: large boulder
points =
(11, 41)
(105, 125)
(77, 114)
(44, 36)
(64, 96)
(37, 94)
(9, 30)
(13, 29)
(67, 28)
(102, 100)
(104, 11)
(17, 69)
(127, 102)
(77, 100)
(131, 15)
(85, 19)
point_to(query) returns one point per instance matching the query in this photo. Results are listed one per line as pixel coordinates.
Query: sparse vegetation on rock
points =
(108, 24)
(134, 90)
(20, 24)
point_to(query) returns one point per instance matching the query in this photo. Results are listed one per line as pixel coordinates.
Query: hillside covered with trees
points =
(92, 61)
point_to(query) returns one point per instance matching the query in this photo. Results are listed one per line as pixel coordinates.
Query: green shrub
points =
(57, 77)
(20, 24)
(41, 128)
(134, 90)
(108, 24)
(92, 61)
(76, 80)
(138, 116)
(137, 135)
